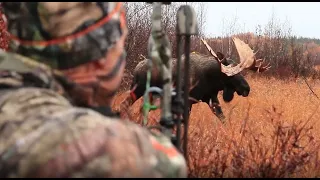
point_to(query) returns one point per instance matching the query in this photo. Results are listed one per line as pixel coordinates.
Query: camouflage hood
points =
(64, 34)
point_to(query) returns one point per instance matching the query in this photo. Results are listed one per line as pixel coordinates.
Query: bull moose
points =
(208, 76)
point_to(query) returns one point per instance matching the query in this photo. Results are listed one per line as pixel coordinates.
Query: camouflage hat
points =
(64, 34)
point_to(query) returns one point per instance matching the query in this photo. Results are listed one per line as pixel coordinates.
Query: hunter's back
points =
(43, 135)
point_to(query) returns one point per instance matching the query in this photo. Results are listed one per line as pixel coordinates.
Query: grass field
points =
(271, 133)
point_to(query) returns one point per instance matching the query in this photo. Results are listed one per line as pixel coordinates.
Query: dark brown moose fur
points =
(205, 77)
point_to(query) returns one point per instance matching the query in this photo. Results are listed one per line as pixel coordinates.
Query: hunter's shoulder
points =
(8, 61)
(17, 71)
(15, 62)
(51, 128)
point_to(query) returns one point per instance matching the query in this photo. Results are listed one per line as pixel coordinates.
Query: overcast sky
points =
(303, 17)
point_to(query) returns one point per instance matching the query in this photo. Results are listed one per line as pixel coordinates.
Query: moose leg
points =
(216, 108)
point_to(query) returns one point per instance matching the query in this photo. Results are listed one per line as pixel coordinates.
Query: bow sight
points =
(174, 108)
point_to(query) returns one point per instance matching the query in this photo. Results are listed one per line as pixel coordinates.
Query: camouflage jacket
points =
(43, 135)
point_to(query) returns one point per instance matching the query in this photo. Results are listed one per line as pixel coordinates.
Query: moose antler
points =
(247, 60)
(228, 70)
(210, 50)
(257, 66)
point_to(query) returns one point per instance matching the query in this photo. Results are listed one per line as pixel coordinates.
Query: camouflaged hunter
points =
(65, 65)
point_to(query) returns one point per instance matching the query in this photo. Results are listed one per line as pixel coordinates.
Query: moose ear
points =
(220, 56)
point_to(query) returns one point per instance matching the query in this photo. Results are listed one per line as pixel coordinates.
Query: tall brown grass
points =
(271, 133)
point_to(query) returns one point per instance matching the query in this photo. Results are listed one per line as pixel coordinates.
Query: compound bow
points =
(173, 106)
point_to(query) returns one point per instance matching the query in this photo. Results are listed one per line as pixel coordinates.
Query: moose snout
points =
(245, 93)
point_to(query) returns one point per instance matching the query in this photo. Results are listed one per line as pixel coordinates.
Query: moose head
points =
(233, 79)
